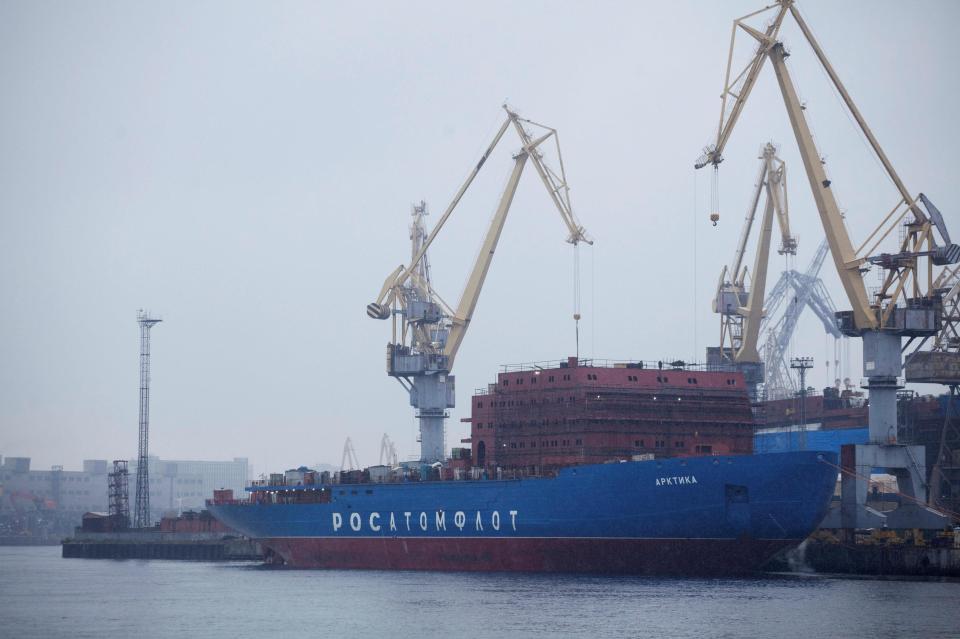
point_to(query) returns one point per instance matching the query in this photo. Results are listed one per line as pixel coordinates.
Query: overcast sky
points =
(245, 170)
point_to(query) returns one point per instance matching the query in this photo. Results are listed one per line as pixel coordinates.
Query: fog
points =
(245, 171)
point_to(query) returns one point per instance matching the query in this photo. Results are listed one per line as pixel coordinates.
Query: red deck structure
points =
(537, 418)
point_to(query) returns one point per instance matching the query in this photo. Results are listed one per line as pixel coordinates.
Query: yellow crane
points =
(427, 332)
(907, 303)
(741, 306)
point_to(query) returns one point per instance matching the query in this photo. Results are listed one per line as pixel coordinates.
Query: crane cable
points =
(576, 296)
(715, 194)
(902, 495)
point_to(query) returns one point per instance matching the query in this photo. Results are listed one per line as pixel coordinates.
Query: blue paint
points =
(830, 440)
(771, 496)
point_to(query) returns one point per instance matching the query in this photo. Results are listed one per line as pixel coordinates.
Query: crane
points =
(906, 304)
(741, 310)
(800, 291)
(349, 460)
(941, 365)
(427, 332)
(388, 452)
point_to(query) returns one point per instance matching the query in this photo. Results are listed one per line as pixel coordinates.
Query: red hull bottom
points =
(624, 556)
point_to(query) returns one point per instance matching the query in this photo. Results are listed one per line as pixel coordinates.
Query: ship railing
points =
(272, 493)
(663, 364)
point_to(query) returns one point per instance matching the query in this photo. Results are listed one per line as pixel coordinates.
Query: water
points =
(42, 595)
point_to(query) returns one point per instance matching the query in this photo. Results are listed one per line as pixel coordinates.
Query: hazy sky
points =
(245, 170)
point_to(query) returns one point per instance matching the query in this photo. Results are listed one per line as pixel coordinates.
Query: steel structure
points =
(794, 292)
(118, 493)
(427, 332)
(388, 452)
(349, 459)
(941, 365)
(142, 504)
(907, 303)
(741, 306)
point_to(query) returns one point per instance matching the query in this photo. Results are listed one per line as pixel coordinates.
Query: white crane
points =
(427, 332)
(388, 452)
(794, 292)
(349, 460)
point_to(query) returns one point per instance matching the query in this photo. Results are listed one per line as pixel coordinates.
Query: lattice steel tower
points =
(117, 485)
(142, 507)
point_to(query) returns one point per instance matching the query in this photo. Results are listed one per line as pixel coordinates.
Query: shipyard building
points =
(174, 484)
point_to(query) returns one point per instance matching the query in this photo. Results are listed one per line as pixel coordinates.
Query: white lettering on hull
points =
(377, 522)
(682, 480)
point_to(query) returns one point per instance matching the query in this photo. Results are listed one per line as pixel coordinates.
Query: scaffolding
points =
(118, 491)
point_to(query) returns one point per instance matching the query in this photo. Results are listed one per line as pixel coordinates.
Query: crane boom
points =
(427, 333)
(471, 293)
(902, 307)
(741, 311)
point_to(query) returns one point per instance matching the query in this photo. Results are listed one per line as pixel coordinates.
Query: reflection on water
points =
(42, 595)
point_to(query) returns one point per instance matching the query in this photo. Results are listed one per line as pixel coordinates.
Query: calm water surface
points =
(43, 595)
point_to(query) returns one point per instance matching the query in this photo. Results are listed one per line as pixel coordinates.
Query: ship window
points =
(522, 445)
(513, 444)
(550, 378)
(566, 378)
(506, 382)
(704, 448)
(369, 492)
(533, 380)
(479, 404)
(519, 380)
(533, 444)
(353, 492)
(678, 444)
(579, 442)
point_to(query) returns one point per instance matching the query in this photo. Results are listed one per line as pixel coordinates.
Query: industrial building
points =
(178, 484)
(70, 490)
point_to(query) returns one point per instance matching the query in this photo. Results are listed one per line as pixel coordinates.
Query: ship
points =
(626, 467)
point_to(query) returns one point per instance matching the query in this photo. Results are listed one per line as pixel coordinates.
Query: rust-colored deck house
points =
(537, 418)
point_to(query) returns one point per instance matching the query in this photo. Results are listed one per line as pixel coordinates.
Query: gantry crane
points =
(794, 292)
(741, 306)
(428, 333)
(907, 303)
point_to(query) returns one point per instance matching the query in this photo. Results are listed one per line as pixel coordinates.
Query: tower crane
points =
(907, 303)
(741, 310)
(427, 332)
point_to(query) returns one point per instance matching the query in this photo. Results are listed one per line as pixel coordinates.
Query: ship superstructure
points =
(540, 417)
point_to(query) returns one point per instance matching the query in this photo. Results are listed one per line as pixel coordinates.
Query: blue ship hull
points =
(684, 516)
